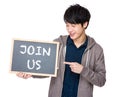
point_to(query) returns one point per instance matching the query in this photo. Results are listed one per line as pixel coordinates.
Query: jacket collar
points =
(90, 44)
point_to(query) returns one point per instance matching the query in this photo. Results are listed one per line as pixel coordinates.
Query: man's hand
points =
(23, 75)
(75, 67)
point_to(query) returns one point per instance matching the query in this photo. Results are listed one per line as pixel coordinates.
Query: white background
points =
(43, 20)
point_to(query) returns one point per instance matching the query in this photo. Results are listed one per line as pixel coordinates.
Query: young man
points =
(81, 59)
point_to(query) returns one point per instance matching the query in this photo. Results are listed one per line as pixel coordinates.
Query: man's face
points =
(75, 30)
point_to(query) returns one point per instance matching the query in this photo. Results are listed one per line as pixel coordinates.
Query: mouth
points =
(72, 34)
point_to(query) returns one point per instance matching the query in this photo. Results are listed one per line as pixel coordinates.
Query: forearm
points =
(97, 78)
(36, 76)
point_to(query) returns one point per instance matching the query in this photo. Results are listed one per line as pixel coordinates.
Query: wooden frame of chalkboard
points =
(34, 57)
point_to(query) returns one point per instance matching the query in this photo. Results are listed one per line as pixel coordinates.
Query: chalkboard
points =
(35, 57)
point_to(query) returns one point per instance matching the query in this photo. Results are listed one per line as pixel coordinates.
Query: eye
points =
(73, 25)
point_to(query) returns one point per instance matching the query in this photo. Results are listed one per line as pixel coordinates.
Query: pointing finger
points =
(69, 63)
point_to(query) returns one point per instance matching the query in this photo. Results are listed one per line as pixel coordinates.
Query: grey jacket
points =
(93, 73)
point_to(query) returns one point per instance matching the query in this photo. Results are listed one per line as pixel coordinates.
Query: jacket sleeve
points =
(36, 76)
(96, 76)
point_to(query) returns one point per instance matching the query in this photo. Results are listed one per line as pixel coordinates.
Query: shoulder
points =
(93, 44)
(62, 39)
(94, 47)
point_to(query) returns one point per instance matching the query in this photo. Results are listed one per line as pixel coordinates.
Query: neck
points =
(78, 42)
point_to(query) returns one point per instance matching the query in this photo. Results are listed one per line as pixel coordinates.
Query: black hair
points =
(77, 14)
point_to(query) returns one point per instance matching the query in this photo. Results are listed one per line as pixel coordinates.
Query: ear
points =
(85, 25)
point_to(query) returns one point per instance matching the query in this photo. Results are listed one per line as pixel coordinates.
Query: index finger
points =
(69, 63)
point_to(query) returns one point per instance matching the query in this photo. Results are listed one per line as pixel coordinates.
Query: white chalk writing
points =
(34, 64)
(32, 50)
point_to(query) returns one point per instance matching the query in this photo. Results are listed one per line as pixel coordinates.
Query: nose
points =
(69, 29)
